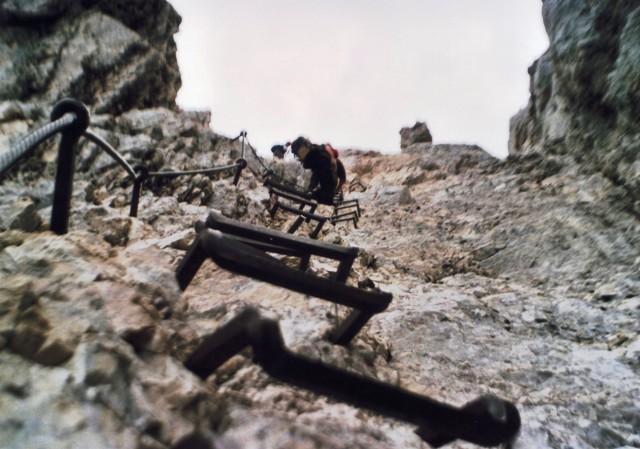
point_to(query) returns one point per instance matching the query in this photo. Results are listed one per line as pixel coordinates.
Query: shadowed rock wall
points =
(585, 89)
(112, 55)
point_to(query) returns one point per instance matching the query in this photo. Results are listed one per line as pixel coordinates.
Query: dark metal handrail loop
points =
(93, 137)
(29, 142)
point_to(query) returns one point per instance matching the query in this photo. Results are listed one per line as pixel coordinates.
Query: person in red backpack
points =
(323, 166)
(340, 171)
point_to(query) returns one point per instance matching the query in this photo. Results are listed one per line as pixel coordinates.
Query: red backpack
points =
(332, 151)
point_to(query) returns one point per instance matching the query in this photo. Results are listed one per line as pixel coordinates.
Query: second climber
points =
(323, 166)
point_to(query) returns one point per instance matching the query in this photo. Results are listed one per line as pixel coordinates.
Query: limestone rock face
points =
(112, 55)
(418, 133)
(518, 278)
(584, 89)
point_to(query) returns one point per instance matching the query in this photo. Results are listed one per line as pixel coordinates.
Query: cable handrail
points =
(115, 154)
(204, 171)
(71, 118)
(267, 172)
(29, 142)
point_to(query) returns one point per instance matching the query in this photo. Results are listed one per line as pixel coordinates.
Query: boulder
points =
(418, 133)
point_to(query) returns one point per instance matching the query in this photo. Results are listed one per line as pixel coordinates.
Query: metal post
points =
(242, 163)
(66, 162)
(244, 135)
(142, 173)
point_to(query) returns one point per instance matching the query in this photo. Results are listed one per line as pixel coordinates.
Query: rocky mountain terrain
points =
(584, 89)
(519, 278)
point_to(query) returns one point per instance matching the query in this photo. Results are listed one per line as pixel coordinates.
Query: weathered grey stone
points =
(516, 277)
(20, 214)
(30, 332)
(582, 99)
(418, 133)
(128, 316)
(106, 56)
(30, 10)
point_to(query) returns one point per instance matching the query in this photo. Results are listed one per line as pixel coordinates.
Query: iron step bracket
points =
(347, 204)
(486, 421)
(301, 202)
(351, 215)
(240, 258)
(270, 240)
(307, 216)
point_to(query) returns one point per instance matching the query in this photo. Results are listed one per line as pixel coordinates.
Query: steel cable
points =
(267, 169)
(90, 135)
(170, 174)
(28, 143)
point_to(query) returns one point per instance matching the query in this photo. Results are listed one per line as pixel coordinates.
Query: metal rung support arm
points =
(486, 421)
(302, 245)
(296, 224)
(307, 215)
(243, 259)
(296, 199)
(246, 260)
(348, 204)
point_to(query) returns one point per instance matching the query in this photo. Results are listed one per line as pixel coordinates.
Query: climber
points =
(323, 166)
(279, 151)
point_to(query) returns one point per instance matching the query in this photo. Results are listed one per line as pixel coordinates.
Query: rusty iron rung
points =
(301, 202)
(486, 421)
(345, 255)
(295, 198)
(348, 204)
(240, 258)
(349, 215)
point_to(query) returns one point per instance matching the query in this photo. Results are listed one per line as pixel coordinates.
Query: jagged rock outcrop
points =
(418, 133)
(585, 89)
(518, 278)
(112, 55)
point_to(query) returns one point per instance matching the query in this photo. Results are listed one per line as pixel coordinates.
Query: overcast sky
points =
(353, 72)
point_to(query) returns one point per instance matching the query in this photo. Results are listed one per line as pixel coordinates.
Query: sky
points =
(354, 72)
